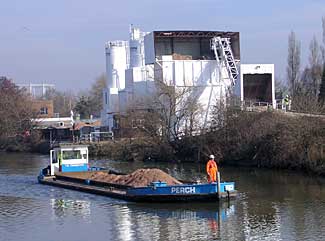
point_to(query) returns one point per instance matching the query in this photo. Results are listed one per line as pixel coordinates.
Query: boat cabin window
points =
(68, 155)
(54, 159)
(84, 156)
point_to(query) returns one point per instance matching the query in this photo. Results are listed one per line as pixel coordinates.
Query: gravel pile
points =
(139, 178)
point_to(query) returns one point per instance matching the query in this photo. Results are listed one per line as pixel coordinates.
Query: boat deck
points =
(101, 190)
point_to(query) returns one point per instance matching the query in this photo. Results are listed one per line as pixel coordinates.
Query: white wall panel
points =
(190, 72)
(168, 72)
(188, 78)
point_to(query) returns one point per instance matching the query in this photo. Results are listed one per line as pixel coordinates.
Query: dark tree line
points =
(15, 109)
(16, 114)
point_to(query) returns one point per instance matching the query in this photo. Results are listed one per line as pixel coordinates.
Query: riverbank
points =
(272, 140)
(266, 139)
(19, 143)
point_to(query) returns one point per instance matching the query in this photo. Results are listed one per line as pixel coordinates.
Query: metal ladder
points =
(223, 52)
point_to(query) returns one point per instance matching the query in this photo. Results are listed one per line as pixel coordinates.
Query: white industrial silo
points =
(116, 63)
(136, 47)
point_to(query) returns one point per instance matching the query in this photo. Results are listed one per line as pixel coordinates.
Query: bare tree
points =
(96, 94)
(321, 95)
(280, 88)
(179, 110)
(169, 114)
(323, 38)
(315, 65)
(88, 101)
(293, 65)
(63, 102)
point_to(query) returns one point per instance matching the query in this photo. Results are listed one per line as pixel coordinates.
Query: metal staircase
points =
(223, 53)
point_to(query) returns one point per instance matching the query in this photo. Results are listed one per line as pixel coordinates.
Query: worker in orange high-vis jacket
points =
(212, 169)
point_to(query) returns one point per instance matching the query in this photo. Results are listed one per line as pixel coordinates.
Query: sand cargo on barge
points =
(69, 168)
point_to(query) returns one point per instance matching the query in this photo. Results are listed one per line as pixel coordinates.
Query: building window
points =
(43, 111)
(106, 98)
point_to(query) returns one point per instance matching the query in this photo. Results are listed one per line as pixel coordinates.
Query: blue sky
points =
(62, 41)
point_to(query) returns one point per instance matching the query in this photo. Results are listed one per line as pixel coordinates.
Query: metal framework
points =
(200, 36)
(37, 90)
(222, 50)
(191, 34)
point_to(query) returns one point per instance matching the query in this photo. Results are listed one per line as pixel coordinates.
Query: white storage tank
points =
(136, 47)
(116, 63)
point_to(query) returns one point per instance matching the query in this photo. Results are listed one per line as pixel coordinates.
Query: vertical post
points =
(198, 152)
(87, 157)
(43, 90)
(50, 138)
(218, 179)
(51, 163)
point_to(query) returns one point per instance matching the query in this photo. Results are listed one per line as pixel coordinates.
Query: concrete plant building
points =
(207, 62)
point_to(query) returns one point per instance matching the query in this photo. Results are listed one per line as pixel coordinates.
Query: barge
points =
(69, 168)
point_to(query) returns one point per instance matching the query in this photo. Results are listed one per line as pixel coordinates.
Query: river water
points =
(272, 205)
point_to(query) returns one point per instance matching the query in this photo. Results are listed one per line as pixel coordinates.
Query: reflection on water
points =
(152, 221)
(62, 208)
(272, 205)
(177, 222)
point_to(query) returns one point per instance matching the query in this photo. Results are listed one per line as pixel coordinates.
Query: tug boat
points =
(69, 163)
